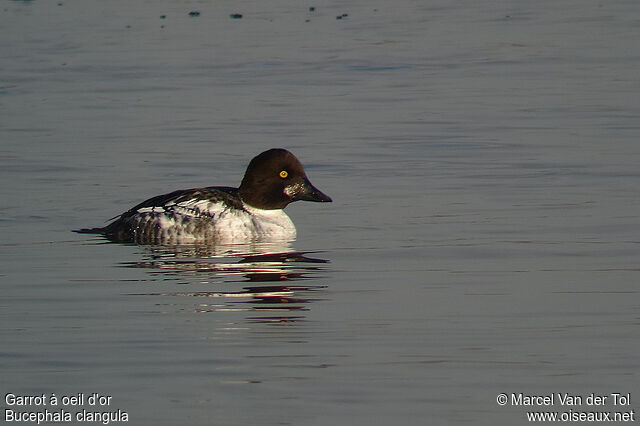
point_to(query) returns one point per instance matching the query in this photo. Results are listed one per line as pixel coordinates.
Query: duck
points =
(252, 212)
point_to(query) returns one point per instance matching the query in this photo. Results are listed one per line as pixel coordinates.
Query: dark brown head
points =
(276, 178)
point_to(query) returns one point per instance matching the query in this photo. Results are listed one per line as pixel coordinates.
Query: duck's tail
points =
(89, 231)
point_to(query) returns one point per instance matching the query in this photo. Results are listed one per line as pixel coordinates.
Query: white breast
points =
(272, 224)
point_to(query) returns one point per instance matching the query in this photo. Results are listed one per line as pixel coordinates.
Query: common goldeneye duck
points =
(253, 211)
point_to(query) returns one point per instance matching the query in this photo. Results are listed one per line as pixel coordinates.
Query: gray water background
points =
(483, 161)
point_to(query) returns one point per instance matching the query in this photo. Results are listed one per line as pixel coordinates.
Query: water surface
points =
(483, 162)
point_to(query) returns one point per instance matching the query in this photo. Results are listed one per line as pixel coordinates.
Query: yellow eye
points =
(284, 174)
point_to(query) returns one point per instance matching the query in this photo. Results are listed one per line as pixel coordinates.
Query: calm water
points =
(483, 161)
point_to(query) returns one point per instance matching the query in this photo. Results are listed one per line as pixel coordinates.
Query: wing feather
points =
(196, 203)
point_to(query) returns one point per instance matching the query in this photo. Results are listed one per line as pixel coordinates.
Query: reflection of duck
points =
(272, 274)
(257, 261)
(253, 211)
(263, 299)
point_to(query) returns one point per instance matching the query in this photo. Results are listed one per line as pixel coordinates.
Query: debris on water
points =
(236, 16)
(344, 15)
(312, 9)
(163, 16)
(194, 13)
